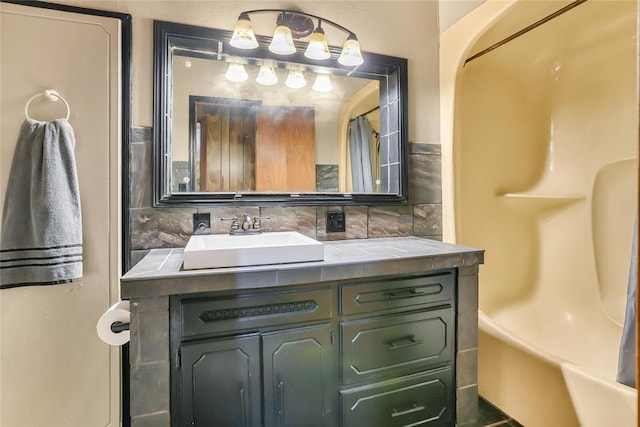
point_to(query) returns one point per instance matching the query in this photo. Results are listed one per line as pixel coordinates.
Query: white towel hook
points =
(52, 96)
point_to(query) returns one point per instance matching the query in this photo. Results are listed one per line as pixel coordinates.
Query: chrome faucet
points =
(248, 226)
(246, 222)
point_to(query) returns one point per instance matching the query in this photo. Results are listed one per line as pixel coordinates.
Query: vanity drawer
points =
(396, 345)
(397, 293)
(419, 400)
(240, 312)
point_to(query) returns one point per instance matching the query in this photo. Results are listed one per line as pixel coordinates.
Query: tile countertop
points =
(160, 272)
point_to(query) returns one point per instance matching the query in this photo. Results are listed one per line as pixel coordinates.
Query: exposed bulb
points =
(236, 72)
(322, 83)
(282, 41)
(318, 47)
(267, 76)
(243, 36)
(295, 80)
(351, 55)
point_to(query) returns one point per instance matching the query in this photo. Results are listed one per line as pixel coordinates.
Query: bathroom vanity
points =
(383, 332)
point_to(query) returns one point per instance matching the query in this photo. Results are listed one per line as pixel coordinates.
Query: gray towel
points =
(41, 240)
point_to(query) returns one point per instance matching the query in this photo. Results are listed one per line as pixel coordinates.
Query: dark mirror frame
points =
(172, 37)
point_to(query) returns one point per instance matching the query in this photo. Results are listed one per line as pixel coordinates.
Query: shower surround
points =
(540, 166)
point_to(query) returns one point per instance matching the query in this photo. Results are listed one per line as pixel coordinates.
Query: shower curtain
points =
(627, 356)
(360, 132)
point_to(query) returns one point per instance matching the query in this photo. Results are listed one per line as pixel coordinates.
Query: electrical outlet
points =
(335, 222)
(201, 223)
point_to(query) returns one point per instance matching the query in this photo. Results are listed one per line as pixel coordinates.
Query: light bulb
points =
(282, 42)
(322, 83)
(351, 55)
(318, 48)
(267, 76)
(243, 35)
(295, 80)
(236, 72)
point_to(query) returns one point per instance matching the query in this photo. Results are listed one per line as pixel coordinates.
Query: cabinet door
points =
(300, 385)
(221, 382)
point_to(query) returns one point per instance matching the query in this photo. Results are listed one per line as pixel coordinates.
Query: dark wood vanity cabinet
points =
(253, 359)
(299, 388)
(273, 379)
(363, 353)
(397, 352)
(221, 382)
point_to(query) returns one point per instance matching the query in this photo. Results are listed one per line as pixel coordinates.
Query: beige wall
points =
(450, 11)
(406, 29)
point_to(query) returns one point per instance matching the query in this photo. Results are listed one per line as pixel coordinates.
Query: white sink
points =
(223, 250)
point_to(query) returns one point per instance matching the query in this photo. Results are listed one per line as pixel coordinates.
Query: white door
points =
(54, 371)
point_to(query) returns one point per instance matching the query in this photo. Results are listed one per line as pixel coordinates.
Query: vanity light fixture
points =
(243, 36)
(322, 83)
(290, 25)
(236, 72)
(267, 76)
(318, 47)
(295, 80)
(282, 41)
(351, 55)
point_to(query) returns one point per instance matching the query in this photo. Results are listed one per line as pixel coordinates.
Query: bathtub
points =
(540, 167)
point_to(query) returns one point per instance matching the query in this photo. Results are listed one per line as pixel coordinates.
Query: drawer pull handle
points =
(405, 293)
(404, 343)
(414, 408)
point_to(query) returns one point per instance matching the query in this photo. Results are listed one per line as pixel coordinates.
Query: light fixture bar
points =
(293, 23)
(296, 12)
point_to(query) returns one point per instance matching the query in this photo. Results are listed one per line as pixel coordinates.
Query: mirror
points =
(257, 137)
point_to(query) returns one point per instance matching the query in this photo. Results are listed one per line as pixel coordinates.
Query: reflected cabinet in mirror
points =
(235, 125)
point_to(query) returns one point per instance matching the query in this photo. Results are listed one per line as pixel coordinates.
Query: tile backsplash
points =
(151, 228)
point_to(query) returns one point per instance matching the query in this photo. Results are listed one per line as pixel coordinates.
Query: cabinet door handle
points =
(243, 407)
(405, 342)
(414, 408)
(408, 293)
(281, 386)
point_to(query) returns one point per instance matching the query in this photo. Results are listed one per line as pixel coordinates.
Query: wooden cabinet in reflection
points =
(225, 141)
(243, 146)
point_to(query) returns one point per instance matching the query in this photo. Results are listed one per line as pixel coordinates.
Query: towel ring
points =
(52, 96)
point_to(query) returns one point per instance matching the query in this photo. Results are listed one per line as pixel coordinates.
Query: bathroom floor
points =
(490, 416)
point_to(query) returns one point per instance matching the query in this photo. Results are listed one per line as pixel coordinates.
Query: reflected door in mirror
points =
(225, 139)
(285, 149)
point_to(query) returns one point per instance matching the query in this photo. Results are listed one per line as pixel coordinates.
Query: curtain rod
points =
(525, 30)
(368, 112)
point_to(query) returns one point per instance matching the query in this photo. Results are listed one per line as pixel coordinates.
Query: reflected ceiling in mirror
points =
(233, 125)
